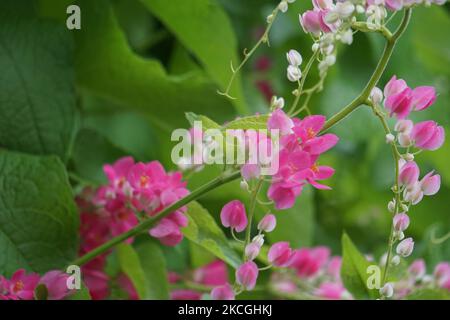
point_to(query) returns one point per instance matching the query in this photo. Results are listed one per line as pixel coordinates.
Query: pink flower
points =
(233, 215)
(168, 232)
(423, 97)
(284, 197)
(394, 5)
(311, 22)
(56, 284)
(247, 274)
(118, 172)
(250, 171)
(405, 247)
(404, 126)
(428, 135)
(97, 283)
(126, 285)
(22, 285)
(394, 86)
(267, 223)
(409, 174)
(185, 294)
(280, 254)
(401, 222)
(334, 268)
(322, 4)
(417, 269)
(252, 250)
(308, 262)
(442, 273)
(329, 290)
(122, 220)
(430, 184)
(224, 292)
(400, 103)
(279, 120)
(213, 274)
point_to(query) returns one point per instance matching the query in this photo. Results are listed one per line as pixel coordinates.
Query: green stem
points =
(382, 63)
(150, 222)
(251, 213)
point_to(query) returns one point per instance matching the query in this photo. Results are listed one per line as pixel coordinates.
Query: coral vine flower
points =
(280, 254)
(233, 215)
(428, 135)
(56, 284)
(308, 262)
(22, 285)
(423, 97)
(279, 120)
(224, 292)
(247, 274)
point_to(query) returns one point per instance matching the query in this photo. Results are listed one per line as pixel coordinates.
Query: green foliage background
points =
(71, 101)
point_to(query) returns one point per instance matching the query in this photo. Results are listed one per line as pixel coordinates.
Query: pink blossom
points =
(280, 254)
(308, 262)
(22, 285)
(430, 184)
(404, 126)
(167, 231)
(417, 269)
(247, 274)
(394, 5)
(330, 290)
(97, 283)
(213, 274)
(311, 22)
(400, 103)
(394, 86)
(284, 197)
(267, 223)
(423, 97)
(125, 284)
(224, 292)
(409, 174)
(233, 215)
(322, 4)
(279, 120)
(401, 221)
(428, 135)
(252, 250)
(442, 273)
(405, 247)
(334, 267)
(56, 284)
(250, 171)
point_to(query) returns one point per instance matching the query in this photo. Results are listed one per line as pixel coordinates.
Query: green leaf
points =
(37, 109)
(130, 264)
(41, 292)
(354, 270)
(107, 66)
(154, 266)
(251, 122)
(203, 230)
(38, 217)
(429, 294)
(91, 152)
(81, 294)
(215, 45)
(207, 123)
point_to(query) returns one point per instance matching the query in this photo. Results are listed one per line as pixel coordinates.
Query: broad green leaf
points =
(38, 218)
(203, 27)
(91, 152)
(37, 109)
(130, 264)
(199, 256)
(154, 266)
(107, 66)
(81, 294)
(207, 123)
(354, 270)
(251, 122)
(429, 294)
(203, 230)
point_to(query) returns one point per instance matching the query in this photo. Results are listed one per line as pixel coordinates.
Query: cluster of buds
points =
(294, 59)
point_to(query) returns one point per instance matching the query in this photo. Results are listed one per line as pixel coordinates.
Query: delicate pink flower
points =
(247, 274)
(56, 283)
(334, 267)
(322, 4)
(409, 174)
(430, 184)
(284, 197)
(321, 144)
(280, 254)
(22, 285)
(428, 135)
(423, 97)
(413, 194)
(250, 171)
(252, 250)
(122, 220)
(279, 120)
(401, 221)
(329, 290)
(213, 274)
(185, 294)
(97, 282)
(168, 232)
(442, 273)
(311, 22)
(118, 172)
(404, 126)
(405, 247)
(417, 269)
(173, 277)
(233, 215)
(394, 86)
(224, 292)
(267, 223)
(308, 262)
(400, 103)
(394, 5)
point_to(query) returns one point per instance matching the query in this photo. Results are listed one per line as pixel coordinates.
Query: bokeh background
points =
(140, 65)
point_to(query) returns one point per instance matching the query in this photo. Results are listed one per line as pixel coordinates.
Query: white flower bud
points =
(294, 58)
(283, 6)
(404, 207)
(387, 290)
(376, 96)
(391, 206)
(344, 9)
(332, 17)
(269, 18)
(244, 185)
(390, 138)
(277, 103)
(360, 9)
(347, 37)
(400, 235)
(330, 60)
(395, 261)
(259, 240)
(294, 73)
(409, 157)
(252, 250)
(315, 47)
(404, 140)
(405, 247)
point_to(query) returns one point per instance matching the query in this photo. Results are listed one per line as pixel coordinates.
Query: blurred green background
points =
(140, 65)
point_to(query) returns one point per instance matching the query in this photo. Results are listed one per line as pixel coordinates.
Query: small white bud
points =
(391, 206)
(387, 290)
(269, 18)
(376, 96)
(294, 58)
(360, 9)
(277, 103)
(344, 9)
(283, 6)
(259, 239)
(252, 250)
(315, 47)
(395, 260)
(347, 37)
(409, 157)
(404, 140)
(294, 73)
(244, 185)
(400, 235)
(331, 17)
(404, 207)
(390, 138)
(330, 60)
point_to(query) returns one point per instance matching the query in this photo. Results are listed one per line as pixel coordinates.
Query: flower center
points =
(18, 286)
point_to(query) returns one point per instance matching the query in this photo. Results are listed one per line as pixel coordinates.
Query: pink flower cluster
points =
(314, 21)
(21, 286)
(300, 147)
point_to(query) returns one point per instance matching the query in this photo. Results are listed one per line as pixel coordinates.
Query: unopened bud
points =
(252, 250)
(283, 6)
(259, 240)
(395, 261)
(391, 206)
(408, 157)
(244, 185)
(376, 96)
(390, 138)
(387, 290)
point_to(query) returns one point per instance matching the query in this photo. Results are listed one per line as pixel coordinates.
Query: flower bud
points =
(404, 140)
(247, 274)
(250, 171)
(244, 185)
(413, 194)
(409, 174)
(399, 104)
(277, 103)
(387, 290)
(233, 215)
(347, 37)
(395, 261)
(315, 47)
(376, 96)
(252, 250)
(428, 135)
(408, 156)
(224, 292)
(430, 184)
(259, 239)
(404, 126)
(391, 206)
(293, 73)
(279, 120)
(442, 272)
(294, 58)
(405, 247)
(268, 223)
(417, 269)
(423, 97)
(269, 18)
(330, 60)
(394, 86)
(280, 254)
(401, 222)
(344, 9)
(283, 6)
(390, 138)
(310, 22)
